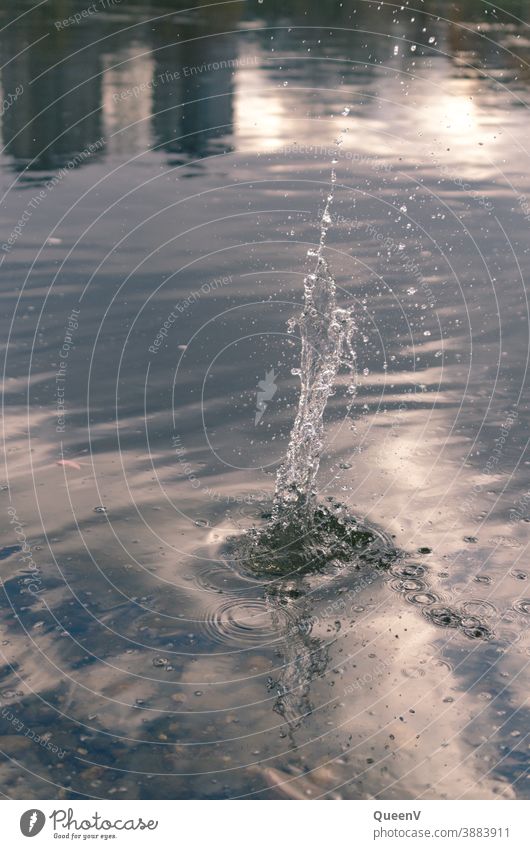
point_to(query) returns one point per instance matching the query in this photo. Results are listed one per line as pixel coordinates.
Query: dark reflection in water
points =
(144, 309)
(194, 56)
(60, 112)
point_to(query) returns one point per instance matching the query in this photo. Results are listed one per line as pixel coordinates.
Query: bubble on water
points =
(522, 605)
(407, 585)
(422, 598)
(346, 110)
(407, 570)
(432, 39)
(442, 616)
(479, 632)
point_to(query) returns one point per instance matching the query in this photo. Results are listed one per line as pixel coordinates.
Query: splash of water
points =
(326, 333)
(303, 537)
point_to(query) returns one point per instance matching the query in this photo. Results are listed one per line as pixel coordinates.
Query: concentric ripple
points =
(241, 623)
(522, 605)
(422, 598)
(440, 614)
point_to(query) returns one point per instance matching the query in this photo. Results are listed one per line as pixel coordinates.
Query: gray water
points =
(164, 173)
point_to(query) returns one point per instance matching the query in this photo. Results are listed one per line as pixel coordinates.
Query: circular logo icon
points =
(32, 822)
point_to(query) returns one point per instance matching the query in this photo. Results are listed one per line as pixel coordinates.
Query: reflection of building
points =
(193, 83)
(58, 114)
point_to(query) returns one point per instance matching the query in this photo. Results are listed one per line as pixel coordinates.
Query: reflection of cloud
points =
(262, 118)
(455, 112)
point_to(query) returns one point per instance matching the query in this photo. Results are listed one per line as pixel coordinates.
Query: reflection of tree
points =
(193, 107)
(498, 47)
(70, 102)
